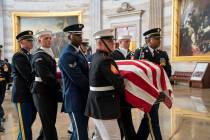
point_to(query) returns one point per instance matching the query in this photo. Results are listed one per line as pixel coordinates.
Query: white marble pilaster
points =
(1, 27)
(95, 19)
(156, 14)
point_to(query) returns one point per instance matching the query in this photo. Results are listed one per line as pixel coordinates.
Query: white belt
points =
(38, 79)
(106, 88)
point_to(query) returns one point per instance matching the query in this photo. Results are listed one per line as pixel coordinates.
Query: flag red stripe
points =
(137, 102)
(138, 81)
(150, 88)
(132, 63)
(162, 80)
(154, 73)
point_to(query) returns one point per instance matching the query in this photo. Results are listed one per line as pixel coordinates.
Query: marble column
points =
(1, 27)
(156, 14)
(95, 19)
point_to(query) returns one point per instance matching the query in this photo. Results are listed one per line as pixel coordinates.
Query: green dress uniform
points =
(151, 120)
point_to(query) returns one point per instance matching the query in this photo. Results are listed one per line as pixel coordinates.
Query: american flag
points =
(144, 81)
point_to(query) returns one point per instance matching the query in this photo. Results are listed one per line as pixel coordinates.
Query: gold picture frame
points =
(177, 48)
(16, 16)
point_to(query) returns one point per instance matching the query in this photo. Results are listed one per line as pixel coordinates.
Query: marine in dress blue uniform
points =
(106, 85)
(151, 53)
(22, 80)
(74, 69)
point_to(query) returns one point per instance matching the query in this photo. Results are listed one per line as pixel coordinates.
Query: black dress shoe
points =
(2, 119)
(70, 132)
(2, 129)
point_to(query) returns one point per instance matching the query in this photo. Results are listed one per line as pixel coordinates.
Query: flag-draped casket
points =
(144, 81)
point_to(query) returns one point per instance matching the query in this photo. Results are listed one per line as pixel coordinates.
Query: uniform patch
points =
(73, 65)
(114, 69)
(162, 61)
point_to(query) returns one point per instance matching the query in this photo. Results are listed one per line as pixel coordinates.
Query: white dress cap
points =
(103, 33)
(120, 37)
(43, 32)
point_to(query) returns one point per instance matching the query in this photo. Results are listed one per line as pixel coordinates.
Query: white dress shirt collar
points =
(48, 51)
(76, 48)
(123, 51)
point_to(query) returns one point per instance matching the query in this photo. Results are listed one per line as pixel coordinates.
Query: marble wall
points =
(95, 15)
(110, 8)
(1, 27)
(10, 6)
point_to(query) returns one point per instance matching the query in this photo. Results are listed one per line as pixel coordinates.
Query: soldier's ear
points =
(39, 40)
(21, 42)
(147, 40)
(100, 43)
(69, 36)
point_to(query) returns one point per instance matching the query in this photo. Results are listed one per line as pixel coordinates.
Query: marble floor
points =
(189, 119)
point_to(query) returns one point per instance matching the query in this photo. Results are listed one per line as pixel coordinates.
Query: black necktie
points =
(154, 53)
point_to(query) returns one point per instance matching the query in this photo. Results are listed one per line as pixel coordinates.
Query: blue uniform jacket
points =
(74, 69)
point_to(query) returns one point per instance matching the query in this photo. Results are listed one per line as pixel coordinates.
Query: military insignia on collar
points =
(147, 50)
(73, 65)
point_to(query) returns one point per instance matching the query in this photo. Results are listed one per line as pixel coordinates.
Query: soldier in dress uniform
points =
(106, 84)
(46, 87)
(74, 69)
(122, 52)
(151, 53)
(125, 121)
(22, 80)
(9, 76)
(4, 72)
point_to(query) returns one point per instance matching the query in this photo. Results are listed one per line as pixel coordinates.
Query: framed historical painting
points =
(191, 30)
(37, 21)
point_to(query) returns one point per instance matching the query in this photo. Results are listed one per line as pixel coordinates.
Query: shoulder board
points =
(22, 53)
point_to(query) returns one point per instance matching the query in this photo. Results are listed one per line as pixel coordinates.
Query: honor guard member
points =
(4, 72)
(122, 52)
(74, 69)
(22, 80)
(151, 53)
(45, 87)
(125, 121)
(106, 84)
(9, 76)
